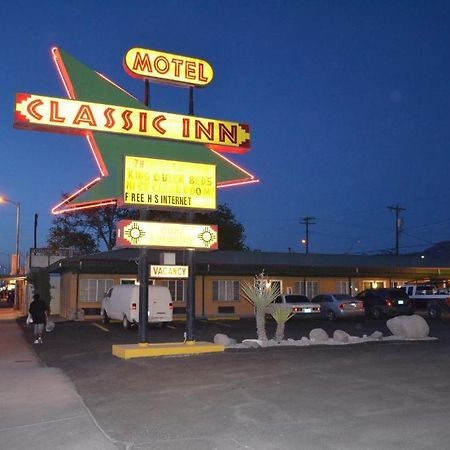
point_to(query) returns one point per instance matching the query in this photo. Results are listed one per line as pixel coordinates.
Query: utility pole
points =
(397, 210)
(307, 221)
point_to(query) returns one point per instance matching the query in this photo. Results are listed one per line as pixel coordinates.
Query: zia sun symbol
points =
(208, 236)
(134, 233)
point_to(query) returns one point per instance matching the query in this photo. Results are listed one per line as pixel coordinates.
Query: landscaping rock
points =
(411, 327)
(318, 335)
(378, 335)
(341, 336)
(224, 340)
(252, 343)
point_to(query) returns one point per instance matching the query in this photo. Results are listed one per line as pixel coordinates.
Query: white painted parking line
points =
(100, 326)
(218, 323)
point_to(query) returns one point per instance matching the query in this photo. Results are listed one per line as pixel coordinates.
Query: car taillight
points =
(341, 306)
(133, 306)
(170, 305)
(295, 309)
(388, 302)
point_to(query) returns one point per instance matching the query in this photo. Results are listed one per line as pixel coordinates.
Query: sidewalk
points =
(40, 408)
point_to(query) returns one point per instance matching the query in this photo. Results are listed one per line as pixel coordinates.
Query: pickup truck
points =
(428, 297)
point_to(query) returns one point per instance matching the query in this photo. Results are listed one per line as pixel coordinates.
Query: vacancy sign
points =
(169, 271)
(132, 233)
(165, 184)
(78, 117)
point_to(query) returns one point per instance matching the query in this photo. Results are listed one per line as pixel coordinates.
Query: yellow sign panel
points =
(167, 67)
(74, 116)
(132, 233)
(167, 184)
(169, 271)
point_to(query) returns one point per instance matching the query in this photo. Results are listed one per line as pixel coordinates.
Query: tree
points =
(87, 230)
(260, 294)
(281, 315)
(40, 279)
(231, 232)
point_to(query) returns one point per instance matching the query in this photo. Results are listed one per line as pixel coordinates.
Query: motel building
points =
(83, 281)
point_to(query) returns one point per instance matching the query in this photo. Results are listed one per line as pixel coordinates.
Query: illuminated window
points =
(373, 284)
(277, 285)
(128, 281)
(94, 290)
(226, 290)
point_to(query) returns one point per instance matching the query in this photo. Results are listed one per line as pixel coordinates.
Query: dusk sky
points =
(348, 104)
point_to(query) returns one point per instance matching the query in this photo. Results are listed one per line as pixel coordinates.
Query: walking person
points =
(39, 312)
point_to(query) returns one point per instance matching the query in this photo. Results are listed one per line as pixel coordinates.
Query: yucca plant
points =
(281, 315)
(260, 294)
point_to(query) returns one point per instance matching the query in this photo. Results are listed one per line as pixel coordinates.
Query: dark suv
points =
(385, 301)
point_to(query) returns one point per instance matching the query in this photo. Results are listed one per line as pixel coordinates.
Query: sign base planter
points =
(145, 350)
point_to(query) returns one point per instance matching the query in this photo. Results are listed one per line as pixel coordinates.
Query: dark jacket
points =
(38, 308)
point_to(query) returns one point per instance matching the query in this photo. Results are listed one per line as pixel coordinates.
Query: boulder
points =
(224, 340)
(252, 343)
(341, 336)
(318, 335)
(378, 335)
(410, 327)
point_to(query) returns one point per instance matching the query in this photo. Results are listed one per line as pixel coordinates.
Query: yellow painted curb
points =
(143, 350)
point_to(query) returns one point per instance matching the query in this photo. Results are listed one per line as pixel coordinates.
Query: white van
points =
(121, 302)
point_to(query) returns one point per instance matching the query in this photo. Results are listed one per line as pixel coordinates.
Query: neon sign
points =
(74, 116)
(108, 116)
(132, 233)
(167, 68)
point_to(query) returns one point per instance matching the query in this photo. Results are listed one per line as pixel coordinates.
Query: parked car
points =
(299, 305)
(338, 306)
(385, 301)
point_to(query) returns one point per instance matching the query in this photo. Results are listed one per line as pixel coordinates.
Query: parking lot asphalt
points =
(380, 395)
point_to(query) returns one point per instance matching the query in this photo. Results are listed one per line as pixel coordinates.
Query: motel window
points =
(342, 287)
(276, 285)
(308, 288)
(94, 290)
(128, 281)
(176, 288)
(373, 284)
(226, 290)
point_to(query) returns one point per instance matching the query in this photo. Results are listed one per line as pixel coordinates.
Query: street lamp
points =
(305, 243)
(17, 205)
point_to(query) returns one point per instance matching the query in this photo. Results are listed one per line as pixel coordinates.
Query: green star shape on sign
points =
(84, 84)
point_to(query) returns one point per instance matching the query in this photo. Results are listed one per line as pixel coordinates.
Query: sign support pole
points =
(190, 303)
(143, 260)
